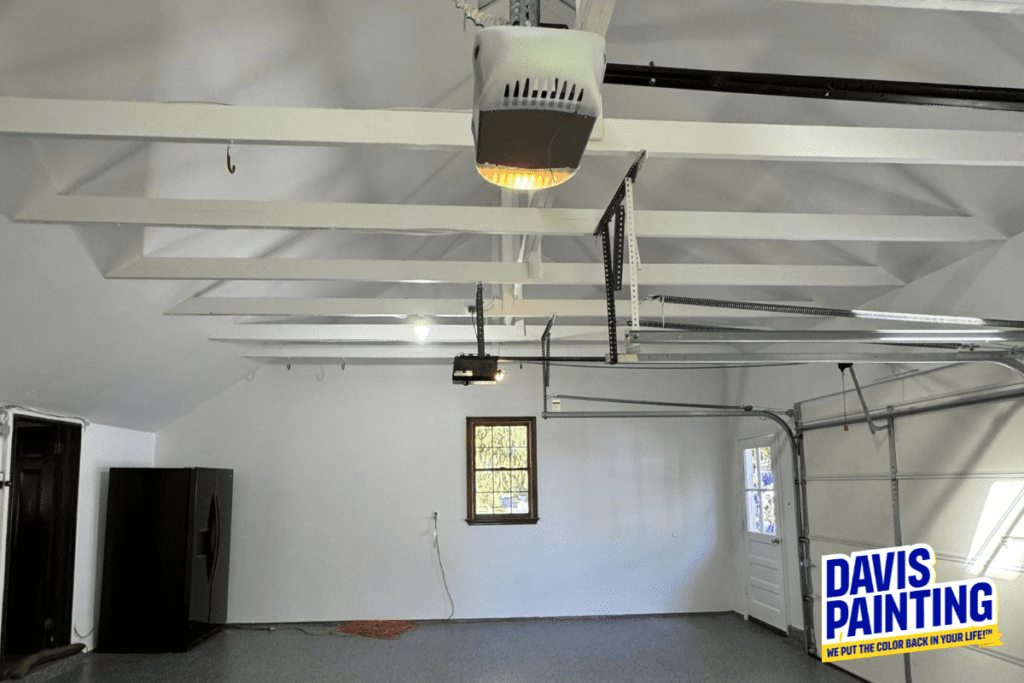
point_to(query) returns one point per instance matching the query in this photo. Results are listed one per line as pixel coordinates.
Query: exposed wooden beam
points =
(202, 213)
(205, 123)
(664, 274)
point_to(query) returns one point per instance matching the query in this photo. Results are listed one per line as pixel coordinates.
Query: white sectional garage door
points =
(958, 476)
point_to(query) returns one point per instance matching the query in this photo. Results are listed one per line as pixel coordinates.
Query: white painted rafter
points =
(205, 123)
(325, 354)
(285, 215)
(663, 274)
(594, 15)
(439, 334)
(275, 306)
(992, 6)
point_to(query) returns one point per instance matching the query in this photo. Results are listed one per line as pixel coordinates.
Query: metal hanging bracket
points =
(843, 367)
(612, 248)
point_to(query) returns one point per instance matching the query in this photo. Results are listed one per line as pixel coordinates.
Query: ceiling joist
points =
(442, 308)
(439, 334)
(491, 272)
(994, 6)
(209, 123)
(394, 218)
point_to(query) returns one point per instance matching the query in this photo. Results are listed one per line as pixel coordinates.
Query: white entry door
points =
(764, 569)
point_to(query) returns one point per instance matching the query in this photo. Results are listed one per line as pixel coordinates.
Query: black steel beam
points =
(821, 87)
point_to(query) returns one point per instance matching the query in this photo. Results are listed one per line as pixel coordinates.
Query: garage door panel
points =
(819, 549)
(1010, 599)
(976, 439)
(944, 513)
(885, 669)
(964, 517)
(847, 453)
(963, 664)
(851, 511)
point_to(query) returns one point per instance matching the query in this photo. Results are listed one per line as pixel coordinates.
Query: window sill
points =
(503, 519)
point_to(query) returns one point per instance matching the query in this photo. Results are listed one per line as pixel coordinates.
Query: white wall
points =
(102, 448)
(965, 288)
(336, 481)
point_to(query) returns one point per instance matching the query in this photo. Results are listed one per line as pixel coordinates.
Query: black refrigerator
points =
(165, 561)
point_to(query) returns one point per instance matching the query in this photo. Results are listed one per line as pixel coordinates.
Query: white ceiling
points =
(826, 203)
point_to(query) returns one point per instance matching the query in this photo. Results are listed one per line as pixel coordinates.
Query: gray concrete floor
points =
(685, 648)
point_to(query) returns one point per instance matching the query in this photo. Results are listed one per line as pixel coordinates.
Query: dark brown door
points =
(41, 546)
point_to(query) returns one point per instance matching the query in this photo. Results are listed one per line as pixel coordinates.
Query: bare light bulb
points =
(524, 178)
(422, 330)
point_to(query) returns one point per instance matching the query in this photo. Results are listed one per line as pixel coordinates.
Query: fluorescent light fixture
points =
(536, 99)
(918, 318)
(935, 339)
(939, 331)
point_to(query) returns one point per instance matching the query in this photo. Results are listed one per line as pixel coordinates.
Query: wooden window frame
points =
(531, 458)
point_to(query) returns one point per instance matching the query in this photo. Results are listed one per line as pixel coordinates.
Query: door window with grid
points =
(501, 470)
(760, 490)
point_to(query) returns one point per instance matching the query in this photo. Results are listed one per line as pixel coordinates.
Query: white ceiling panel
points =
(354, 207)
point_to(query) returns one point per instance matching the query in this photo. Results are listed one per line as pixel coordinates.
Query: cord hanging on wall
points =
(231, 166)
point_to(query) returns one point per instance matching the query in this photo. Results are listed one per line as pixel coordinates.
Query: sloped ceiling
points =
(810, 201)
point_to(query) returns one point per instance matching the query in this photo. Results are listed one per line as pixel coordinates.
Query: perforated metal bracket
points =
(620, 193)
(480, 319)
(613, 253)
(609, 293)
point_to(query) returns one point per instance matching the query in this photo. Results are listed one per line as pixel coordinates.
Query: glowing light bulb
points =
(499, 375)
(422, 330)
(527, 179)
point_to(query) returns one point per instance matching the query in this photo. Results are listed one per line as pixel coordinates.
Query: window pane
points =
(502, 482)
(750, 466)
(484, 457)
(766, 467)
(518, 457)
(768, 512)
(519, 436)
(520, 503)
(501, 503)
(483, 437)
(484, 482)
(520, 481)
(483, 503)
(753, 511)
(501, 439)
(501, 457)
